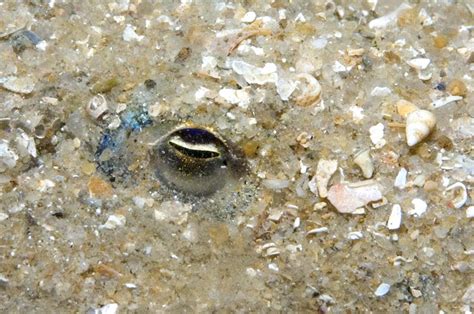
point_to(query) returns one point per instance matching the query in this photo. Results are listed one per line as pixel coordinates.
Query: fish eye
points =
(195, 160)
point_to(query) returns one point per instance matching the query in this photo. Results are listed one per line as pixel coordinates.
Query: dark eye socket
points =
(194, 153)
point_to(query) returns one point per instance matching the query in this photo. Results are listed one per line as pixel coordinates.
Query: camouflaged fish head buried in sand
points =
(195, 160)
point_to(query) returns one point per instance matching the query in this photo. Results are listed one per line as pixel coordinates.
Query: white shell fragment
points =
(19, 85)
(468, 296)
(460, 194)
(395, 218)
(26, 145)
(8, 157)
(97, 106)
(317, 230)
(3, 216)
(324, 172)
(419, 207)
(382, 289)
(355, 235)
(309, 90)
(172, 211)
(348, 198)
(401, 179)
(470, 212)
(236, 96)
(444, 101)
(376, 135)
(419, 125)
(249, 17)
(276, 184)
(256, 75)
(107, 309)
(129, 34)
(380, 91)
(389, 19)
(113, 222)
(419, 63)
(363, 160)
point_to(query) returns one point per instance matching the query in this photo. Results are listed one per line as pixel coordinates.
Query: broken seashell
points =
(419, 207)
(309, 90)
(419, 63)
(388, 19)
(324, 172)
(395, 218)
(97, 106)
(401, 179)
(349, 197)
(460, 195)
(419, 125)
(444, 101)
(363, 160)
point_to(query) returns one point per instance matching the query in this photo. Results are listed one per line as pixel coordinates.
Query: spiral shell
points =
(420, 123)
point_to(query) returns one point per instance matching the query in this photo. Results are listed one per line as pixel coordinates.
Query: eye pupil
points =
(195, 161)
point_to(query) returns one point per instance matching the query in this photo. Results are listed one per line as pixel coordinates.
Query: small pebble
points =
(114, 221)
(249, 17)
(470, 212)
(324, 172)
(419, 207)
(457, 88)
(99, 188)
(382, 289)
(20, 85)
(3, 216)
(401, 179)
(395, 218)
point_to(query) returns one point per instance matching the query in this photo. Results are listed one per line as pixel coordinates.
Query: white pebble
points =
(389, 19)
(107, 309)
(355, 235)
(395, 218)
(276, 184)
(419, 207)
(3, 216)
(236, 96)
(249, 17)
(470, 212)
(419, 63)
(319, 43)
(256, 75)
(401, 179)
(113, 222)
(376, 135)
(382, 289)
(129, 34)
(380, 91)
(20, 85)
(8, 157)
(273, 266)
